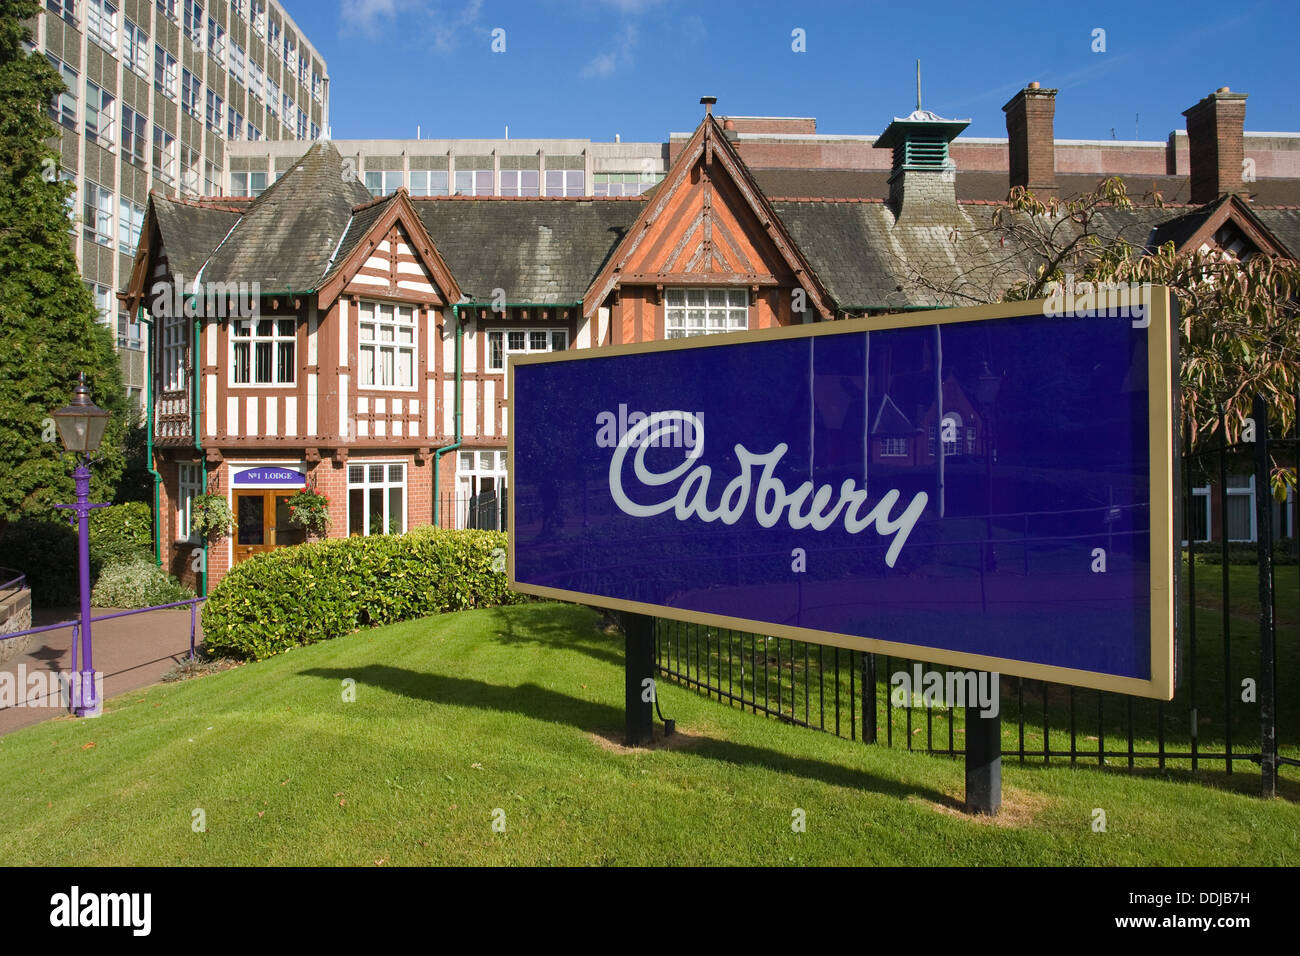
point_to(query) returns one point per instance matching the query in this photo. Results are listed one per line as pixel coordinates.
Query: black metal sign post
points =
(984, 755)
(638, 681)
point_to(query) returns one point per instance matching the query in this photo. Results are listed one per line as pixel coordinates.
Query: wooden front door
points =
(263, 523)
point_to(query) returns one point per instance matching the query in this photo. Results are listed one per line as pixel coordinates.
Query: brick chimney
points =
(1031, 141)
(1214, 139)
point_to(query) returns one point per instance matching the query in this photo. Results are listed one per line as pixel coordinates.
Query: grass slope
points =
(520, 709)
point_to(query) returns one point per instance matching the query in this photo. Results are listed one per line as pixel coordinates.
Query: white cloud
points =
(604, 64)
(373, 17)
(445, 24)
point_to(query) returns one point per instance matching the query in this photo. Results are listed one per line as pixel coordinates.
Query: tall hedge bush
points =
(45, 549)
(321, 590)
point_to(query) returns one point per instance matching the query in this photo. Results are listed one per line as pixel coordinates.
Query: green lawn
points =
(520, 709)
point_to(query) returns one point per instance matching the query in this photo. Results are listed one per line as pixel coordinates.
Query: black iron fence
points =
(488, 511)
(1239, 640)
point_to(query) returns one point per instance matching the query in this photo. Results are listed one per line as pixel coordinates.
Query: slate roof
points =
(190, 231)
(288, 235)
(536, 250)
(550, 250)
(993, 186)
(1285, 226)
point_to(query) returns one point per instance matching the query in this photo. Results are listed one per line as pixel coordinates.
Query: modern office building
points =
(156, 89)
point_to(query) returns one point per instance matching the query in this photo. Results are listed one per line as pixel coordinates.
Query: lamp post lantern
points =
(81, 428)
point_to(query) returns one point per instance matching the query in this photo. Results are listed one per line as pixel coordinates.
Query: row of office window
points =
(173, 83)
(103, 19)
(509, 182)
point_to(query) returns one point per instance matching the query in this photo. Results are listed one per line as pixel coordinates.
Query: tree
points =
(1239, 319)
(48, 319)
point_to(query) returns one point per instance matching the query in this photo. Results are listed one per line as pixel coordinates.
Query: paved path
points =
(132, 652)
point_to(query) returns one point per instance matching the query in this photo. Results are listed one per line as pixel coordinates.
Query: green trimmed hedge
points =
(324, 589)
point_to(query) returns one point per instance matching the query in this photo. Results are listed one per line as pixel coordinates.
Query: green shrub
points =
(46, 550)
(135, 581)
(324, 589)
(120, 531)
(1211, 552)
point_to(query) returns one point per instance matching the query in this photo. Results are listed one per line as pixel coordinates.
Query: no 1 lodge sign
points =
(986, 488)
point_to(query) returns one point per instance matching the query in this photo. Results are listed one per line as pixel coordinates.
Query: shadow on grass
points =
(575, 628)
(539, 703)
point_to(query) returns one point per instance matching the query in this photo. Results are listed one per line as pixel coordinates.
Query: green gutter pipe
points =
(438, 453)
(148, 435)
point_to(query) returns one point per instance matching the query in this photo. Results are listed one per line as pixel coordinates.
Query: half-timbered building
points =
(318, 335)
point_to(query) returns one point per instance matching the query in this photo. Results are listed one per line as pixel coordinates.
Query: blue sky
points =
(593, 68)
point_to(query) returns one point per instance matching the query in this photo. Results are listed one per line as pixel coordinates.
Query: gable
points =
(387, 251)
(393, 269)
(708, 223)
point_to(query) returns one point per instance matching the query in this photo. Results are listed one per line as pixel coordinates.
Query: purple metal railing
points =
(20, 581)
(192, 603)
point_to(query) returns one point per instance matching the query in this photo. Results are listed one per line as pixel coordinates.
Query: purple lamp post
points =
(81, 428)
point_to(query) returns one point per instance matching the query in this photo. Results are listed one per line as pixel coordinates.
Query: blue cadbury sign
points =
(987, 487)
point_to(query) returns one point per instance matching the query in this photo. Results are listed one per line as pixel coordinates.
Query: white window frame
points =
(191, 94)
(165, 64)
(104, 113)
(1247, 491)
(193, 25)
(130, 223)
(248, 332)
(166, 151)
(500, 344)
(214, 112)
(380, 315)
(167, 8)
(135, 50)
(573, 182)
(216, 41)
(367, 484)
(189, 485)
(173, 353)
(63, 108)
(103, 297)
(512, 182)
(1204, 494)
(99, 214)
(136, 147)
(101, 23)
(682, 302)
(386, 181)
(471, 467)
(425, 179)
(480, 182)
